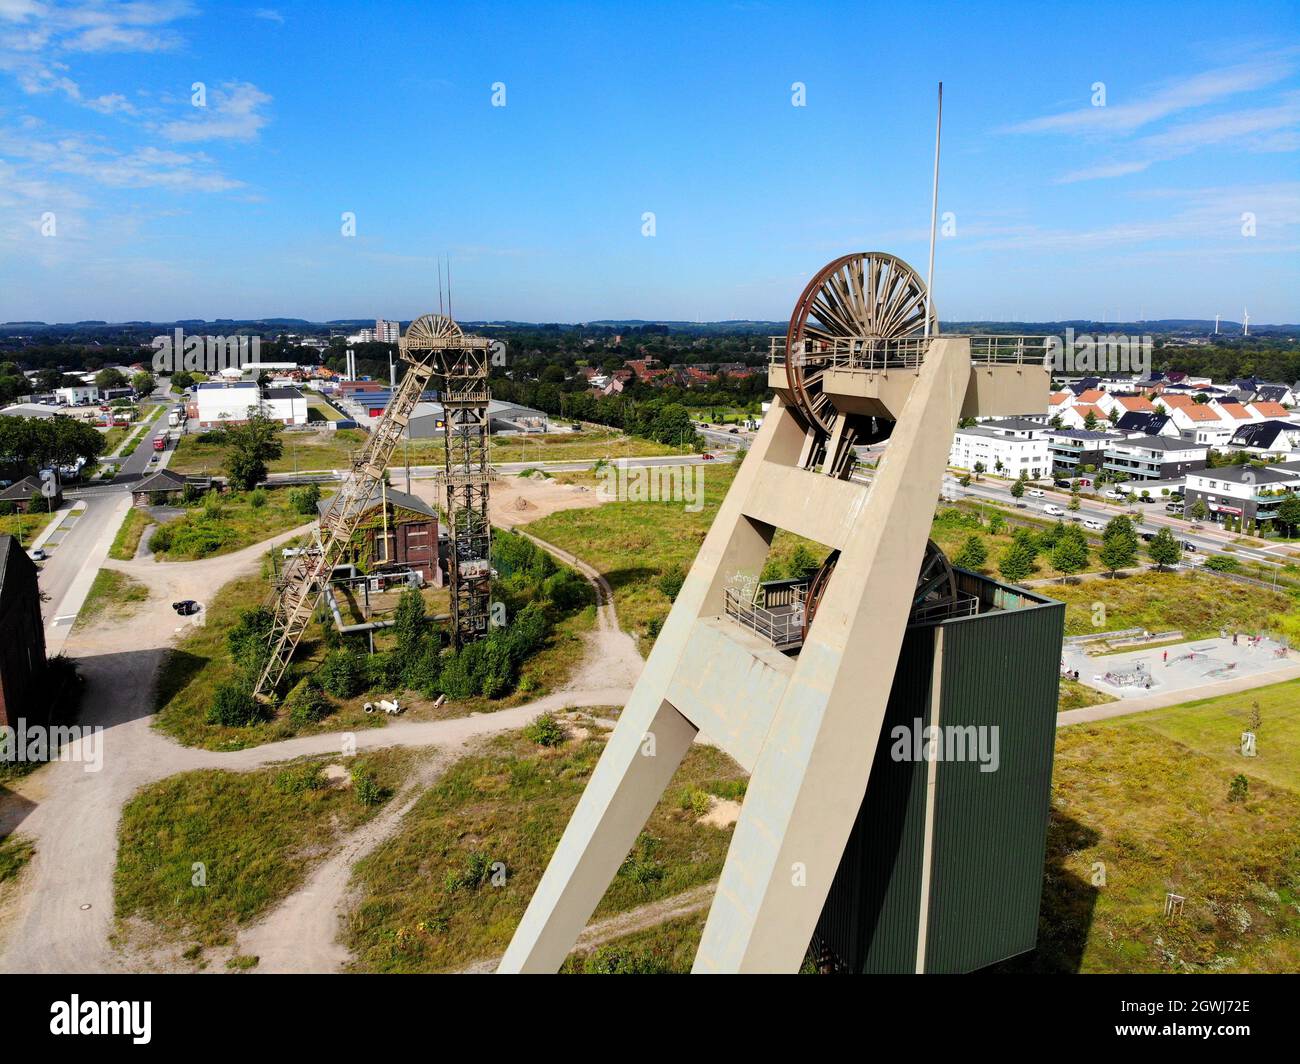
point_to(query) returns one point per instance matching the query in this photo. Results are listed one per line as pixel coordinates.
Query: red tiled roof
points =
(1271, 409)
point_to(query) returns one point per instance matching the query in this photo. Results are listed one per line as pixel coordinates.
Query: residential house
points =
(1147, 425)
(1075, 451)
(1266, 438)
(1251, 493)
(21, 493)
(1008, 452)
(1138, 458)
(412, 535)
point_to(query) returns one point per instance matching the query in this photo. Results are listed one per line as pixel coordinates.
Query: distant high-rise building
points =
(387, 332)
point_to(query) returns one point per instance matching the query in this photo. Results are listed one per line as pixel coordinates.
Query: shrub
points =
(384, 671)
(477, 871)
(1238, 789)
(694, 801)
(304, 500)
(342, 674)
(1222, 564)
(306, 703)
(566, 590)
(257, 498)
(234, 706)
(545, 731)
(422, 673)
(298, 779)
(973, 553)
(367, 788)
(671, 580)
(249, 640)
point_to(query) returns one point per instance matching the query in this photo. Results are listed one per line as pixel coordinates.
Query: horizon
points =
(1146, 173)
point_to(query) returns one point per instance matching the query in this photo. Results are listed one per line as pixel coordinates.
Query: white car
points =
(1054, 510)
(1114, 494)
(1093, 524)
(1035, 493)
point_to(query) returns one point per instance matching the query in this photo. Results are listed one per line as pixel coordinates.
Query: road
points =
(88, 540)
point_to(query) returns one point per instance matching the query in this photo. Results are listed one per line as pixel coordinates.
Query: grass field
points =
(224, 523)
(665, 949)
(256, 835)
(1140, 808)
(113, 596)
(303, 451)
(15, 852)
(1197, 604)
(633, 543)
(25, 527)
(428, 901)
(1076, 695)
(127, 540)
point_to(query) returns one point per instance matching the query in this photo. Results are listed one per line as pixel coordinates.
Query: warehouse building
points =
(426, 419)
(216, 403)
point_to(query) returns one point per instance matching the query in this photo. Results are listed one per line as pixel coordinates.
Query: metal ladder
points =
(303, 582)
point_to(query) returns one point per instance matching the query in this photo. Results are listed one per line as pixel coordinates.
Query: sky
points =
(165, 159)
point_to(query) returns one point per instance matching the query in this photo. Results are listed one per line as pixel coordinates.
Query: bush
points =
(257, 498)
(422, 673)
(545, 731)
(342, 674)
(566, 590)
(384, 671)
(234, 706)
(304, 500)
(671, 580)
(1222, 564)
(306, 703)
(298, 779)
(366, 788)
(1238, 789)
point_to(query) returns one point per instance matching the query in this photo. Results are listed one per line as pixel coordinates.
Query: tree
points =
(143, 382)
(1164, 549)
(1090, 421)
(979, 469)
(1199, 509)
(1074, 503)
(1288, 513)
(1070, 555)
(410, 624)
(803, 564)
(1018, 488)
(1017, 561)
(109, 378)
(1117, 553)
(249, 447)
(973, 553)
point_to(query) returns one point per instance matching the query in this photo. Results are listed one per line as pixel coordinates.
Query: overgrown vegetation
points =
(216, 523)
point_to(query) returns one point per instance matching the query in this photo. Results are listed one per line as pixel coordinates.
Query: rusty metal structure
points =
(461, 367)
(434, 346)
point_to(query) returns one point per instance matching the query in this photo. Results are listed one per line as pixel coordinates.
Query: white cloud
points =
(233, 113)
(269, 14)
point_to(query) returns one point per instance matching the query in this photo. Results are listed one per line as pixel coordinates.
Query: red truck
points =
(160, 443)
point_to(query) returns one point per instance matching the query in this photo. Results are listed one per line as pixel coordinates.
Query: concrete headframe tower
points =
(855, 365)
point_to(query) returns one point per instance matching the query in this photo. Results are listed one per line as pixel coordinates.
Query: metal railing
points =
(874, 354)
(782, 627)
(965, 605)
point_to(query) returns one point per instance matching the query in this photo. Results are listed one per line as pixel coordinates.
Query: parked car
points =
(1173, 507)
(1035, 493)
(1113, 494)
(186, 607)
(1054, 510)
(37, 555)
(1062, 484)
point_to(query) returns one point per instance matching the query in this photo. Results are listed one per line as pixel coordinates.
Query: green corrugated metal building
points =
(944, 869)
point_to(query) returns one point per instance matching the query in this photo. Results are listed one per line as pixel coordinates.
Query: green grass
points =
(232, 523)
(1077, 695)
(632, 543)
(303, 451)
(25, 527)
(255, 834)
(426, 897)
(113, 596)
(1197, 604)
(1136, 814)
(127, 540)
(665, 949)
(15, 852)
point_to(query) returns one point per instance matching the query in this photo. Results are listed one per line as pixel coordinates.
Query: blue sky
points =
(161, 209)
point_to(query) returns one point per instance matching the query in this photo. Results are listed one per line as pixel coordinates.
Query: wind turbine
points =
(1245, 322)
(1216, 325)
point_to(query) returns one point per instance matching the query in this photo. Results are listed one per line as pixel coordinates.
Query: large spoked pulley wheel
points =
(863, 296)
(936, 584)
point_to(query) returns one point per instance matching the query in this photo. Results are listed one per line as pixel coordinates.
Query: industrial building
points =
(22, 652)
(943, 871)
(393, 530)
(427, 419)
(216, 403)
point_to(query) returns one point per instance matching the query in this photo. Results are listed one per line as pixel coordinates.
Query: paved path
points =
(63, 918)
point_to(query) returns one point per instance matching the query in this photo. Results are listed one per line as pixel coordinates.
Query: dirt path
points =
(63, 918)
(624, 923)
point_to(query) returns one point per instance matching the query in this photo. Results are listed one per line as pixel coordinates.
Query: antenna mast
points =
(934, 215)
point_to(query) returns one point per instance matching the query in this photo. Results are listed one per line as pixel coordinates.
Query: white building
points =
(1005, 452)
(78, 395)
(216, 403)
(387, 332)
